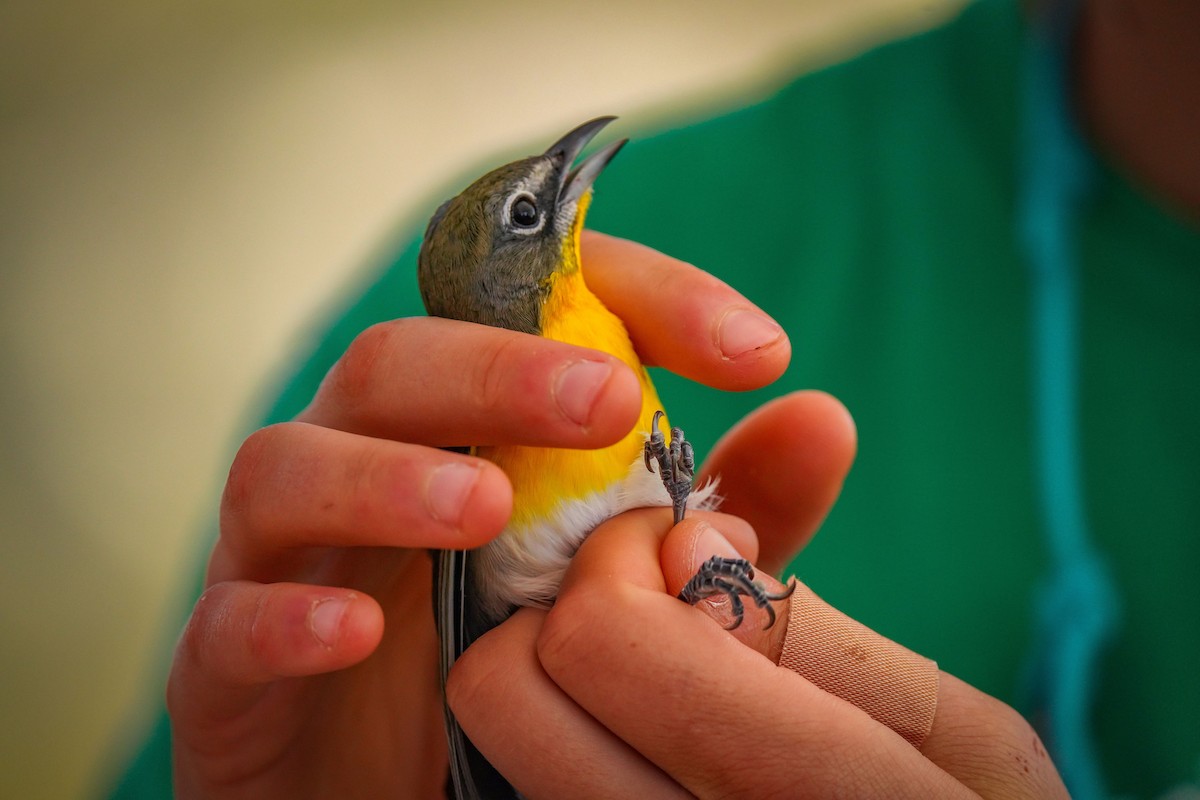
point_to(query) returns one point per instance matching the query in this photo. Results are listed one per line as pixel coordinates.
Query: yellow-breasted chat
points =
(506, 252)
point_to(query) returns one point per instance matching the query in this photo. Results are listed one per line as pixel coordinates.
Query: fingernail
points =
(449, 487)
(577, 387)
(711, 542)
(741, 331)
(325, 620)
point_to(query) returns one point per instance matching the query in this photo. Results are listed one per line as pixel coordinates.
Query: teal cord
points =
(1076, 607)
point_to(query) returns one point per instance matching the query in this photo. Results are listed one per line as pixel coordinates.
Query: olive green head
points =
(489, 253)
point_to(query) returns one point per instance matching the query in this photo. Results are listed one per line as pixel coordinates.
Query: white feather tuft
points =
(525, 567)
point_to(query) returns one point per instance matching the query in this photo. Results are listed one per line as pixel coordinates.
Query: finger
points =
(521, 721)
(893, 685)
(695, 540)
(294, 485)
(965, 718)
(447, 383)
(614, 633)
(683, 318)
(782, 468)
(242, 635)
(735, 530)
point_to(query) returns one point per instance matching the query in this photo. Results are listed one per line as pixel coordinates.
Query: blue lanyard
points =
(1077, 606)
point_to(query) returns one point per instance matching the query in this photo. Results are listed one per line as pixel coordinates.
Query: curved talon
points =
(735, 603)
(687, 456)
(654, 447)
(732, 577)
(676, 464)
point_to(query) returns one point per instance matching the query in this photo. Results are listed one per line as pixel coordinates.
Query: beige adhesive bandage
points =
(897, 687)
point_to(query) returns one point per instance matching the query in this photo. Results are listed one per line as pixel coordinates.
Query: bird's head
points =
(490, 253)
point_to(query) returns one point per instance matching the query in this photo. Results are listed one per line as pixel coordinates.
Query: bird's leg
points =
(676, 464)
(732, 577)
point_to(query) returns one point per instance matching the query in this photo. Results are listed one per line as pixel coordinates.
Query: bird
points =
(505, 252)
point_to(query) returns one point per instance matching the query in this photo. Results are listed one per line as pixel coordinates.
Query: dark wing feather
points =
(471, 776)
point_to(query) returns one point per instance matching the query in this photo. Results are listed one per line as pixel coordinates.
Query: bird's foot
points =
(732, 577)
(676, 464)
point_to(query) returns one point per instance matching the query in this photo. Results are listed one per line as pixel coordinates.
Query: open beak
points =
(578, 179)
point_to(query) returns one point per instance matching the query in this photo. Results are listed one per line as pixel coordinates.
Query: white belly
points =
(525, 567)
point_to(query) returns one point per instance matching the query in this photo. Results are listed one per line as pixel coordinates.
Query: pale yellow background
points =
(185, 184)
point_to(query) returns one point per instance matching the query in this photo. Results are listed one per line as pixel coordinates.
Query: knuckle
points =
(492, 370)
(257, 633)
(228, 638)
(568, 636)
(556, 640)
(468, 683)
(240, 497)
(368, 474)
(997, 751)
(353, 380)
(355, 372)
(200, 631)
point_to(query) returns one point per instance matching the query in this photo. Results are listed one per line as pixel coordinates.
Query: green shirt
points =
(872, 208)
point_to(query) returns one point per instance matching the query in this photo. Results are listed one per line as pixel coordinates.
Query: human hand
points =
(621, 690)
(309, 667)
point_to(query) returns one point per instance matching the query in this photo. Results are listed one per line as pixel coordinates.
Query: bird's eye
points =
(524, 212)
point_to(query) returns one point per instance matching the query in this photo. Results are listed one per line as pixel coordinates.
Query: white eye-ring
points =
(522, 215)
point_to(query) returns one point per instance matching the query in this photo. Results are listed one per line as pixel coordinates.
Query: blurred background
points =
(184, 188)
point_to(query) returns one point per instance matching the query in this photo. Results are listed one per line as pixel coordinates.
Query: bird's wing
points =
(471, 776)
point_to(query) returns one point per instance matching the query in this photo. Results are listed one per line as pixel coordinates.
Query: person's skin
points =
(285, 686)
(1138, 89)
(630, 693)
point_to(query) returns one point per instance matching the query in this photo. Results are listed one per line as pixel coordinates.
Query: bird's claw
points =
(732, 577)
(676, 464)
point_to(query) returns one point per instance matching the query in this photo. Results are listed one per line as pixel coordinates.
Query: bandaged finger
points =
(843, 657)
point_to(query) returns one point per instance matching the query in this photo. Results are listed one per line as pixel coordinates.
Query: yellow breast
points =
(542, 477)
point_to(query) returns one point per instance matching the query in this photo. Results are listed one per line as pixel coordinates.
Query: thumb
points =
(694, 541)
